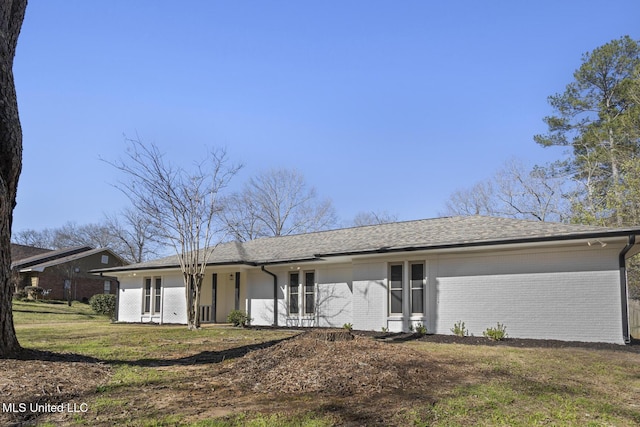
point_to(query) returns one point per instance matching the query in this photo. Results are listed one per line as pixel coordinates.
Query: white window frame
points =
(300, 291)
(107, 287)
(155, 295)
(290, 293)
(422, 286)
(392, 289)
(104, 259)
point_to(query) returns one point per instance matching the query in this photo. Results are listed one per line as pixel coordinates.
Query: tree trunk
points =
(11, 17)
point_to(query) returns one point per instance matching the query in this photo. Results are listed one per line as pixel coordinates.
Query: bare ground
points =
(351, 379)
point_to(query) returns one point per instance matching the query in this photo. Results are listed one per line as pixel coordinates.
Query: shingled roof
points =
(439, 233)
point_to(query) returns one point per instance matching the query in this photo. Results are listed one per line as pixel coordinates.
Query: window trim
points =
(392, 289)
(154, 296)
(293, 290)
(421, 287)
(299, 293)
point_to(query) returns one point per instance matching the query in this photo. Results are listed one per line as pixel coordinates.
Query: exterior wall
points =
(334, 296)
(370, 295)
(173, 305)
(333, 302)
(566, 295)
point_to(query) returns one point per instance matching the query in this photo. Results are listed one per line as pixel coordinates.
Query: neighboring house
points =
(541, 280)
(64, 271)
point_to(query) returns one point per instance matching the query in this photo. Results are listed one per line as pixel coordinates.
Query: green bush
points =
(238, 318)
(497, 334)
(459, 329)
(421, 329)
(104, 304)
(348, 327)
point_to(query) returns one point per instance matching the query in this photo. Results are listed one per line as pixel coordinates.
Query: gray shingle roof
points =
(409, 235)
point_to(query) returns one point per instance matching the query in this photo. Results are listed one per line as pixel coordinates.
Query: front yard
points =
(147, 375)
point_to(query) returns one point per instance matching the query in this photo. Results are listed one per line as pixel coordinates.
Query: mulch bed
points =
(36, 378)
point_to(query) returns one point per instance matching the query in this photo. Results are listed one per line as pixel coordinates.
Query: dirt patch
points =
(356, 378)
(36, 382)
(311, 363)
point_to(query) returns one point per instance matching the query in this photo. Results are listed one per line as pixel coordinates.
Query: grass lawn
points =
(166, 376)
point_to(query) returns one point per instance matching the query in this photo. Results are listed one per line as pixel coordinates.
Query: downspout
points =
(623, 288)
(275, 295)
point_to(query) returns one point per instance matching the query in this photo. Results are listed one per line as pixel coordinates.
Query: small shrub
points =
(385, 329)
(20, 295)
(459, 329)
(497, 334)
(421, 329)
(104, 304)
(238, 318)
(348, 327)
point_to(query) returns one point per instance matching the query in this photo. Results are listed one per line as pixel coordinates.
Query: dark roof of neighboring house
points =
(439, 233)
(58, 257)
(19, 252)
(49, 256)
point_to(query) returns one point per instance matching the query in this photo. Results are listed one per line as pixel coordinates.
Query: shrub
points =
(238, 318)
(104, 304)
(421, 329)
(497, 334)
(459, 329)
(385, 329)
(20, 295)
(348, 327)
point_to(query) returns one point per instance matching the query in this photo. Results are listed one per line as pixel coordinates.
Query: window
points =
(395, 288)
(309, 292)
(105, 259)
(158, 295)
(107, 286)
(293, 292)
(302, 293)
(417, 288)
(152, 295)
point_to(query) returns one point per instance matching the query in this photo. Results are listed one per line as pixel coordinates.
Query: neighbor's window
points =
(107, 286)
(293, 292)
(309, 292)
(105, 259)
(152, 295)
(417, 288)
(395, 288)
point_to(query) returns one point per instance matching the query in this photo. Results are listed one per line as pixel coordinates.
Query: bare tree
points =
(183, 207)
(133, 234)
(36, 238)
(515, 191)
(11, 17)
(373, 218)
(277, 202)
(477, 200)
(128, 234)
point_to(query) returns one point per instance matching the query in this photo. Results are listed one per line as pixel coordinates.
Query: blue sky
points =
(383, 105)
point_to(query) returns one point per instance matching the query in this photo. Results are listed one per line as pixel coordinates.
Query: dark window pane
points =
(396, 276)
(396, 301)
(309, 292)
(309, 304)
(417, 301)
(417, 273)
(158, 295)
(293, 293)
(147, 295)
(309, 280)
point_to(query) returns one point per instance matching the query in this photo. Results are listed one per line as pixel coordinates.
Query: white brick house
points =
(541, 280)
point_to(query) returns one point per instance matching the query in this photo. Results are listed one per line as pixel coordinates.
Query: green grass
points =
(481, 386)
